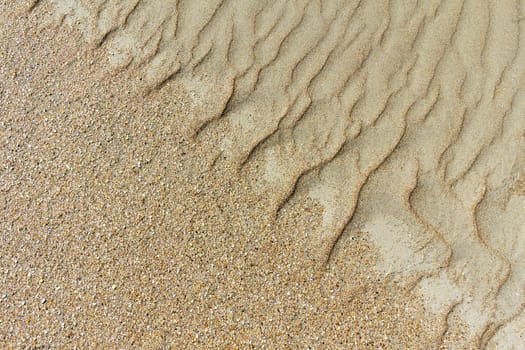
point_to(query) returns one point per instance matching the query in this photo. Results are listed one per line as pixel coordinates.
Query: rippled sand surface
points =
(262, 174)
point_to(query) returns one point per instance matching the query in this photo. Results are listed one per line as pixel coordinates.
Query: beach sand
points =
(280, 175)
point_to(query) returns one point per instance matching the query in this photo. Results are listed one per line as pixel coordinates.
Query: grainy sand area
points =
(237, 174)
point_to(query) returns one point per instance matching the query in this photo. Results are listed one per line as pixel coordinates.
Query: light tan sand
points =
(274, 174)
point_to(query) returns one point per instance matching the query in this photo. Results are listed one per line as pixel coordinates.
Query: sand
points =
(279, 174)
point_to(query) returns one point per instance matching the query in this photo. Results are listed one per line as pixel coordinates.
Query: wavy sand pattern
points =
(404, 120)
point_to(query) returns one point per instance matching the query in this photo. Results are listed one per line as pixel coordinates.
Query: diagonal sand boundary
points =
(403, 120)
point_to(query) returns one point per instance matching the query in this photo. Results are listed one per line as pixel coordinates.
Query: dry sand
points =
(262, 174)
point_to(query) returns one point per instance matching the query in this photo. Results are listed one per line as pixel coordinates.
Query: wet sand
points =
(161, 192)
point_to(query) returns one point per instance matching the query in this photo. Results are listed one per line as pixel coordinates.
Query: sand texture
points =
(262, 174)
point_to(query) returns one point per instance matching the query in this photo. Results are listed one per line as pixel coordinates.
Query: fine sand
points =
(262, 174)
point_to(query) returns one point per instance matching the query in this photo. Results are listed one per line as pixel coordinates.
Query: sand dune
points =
(403, 120)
